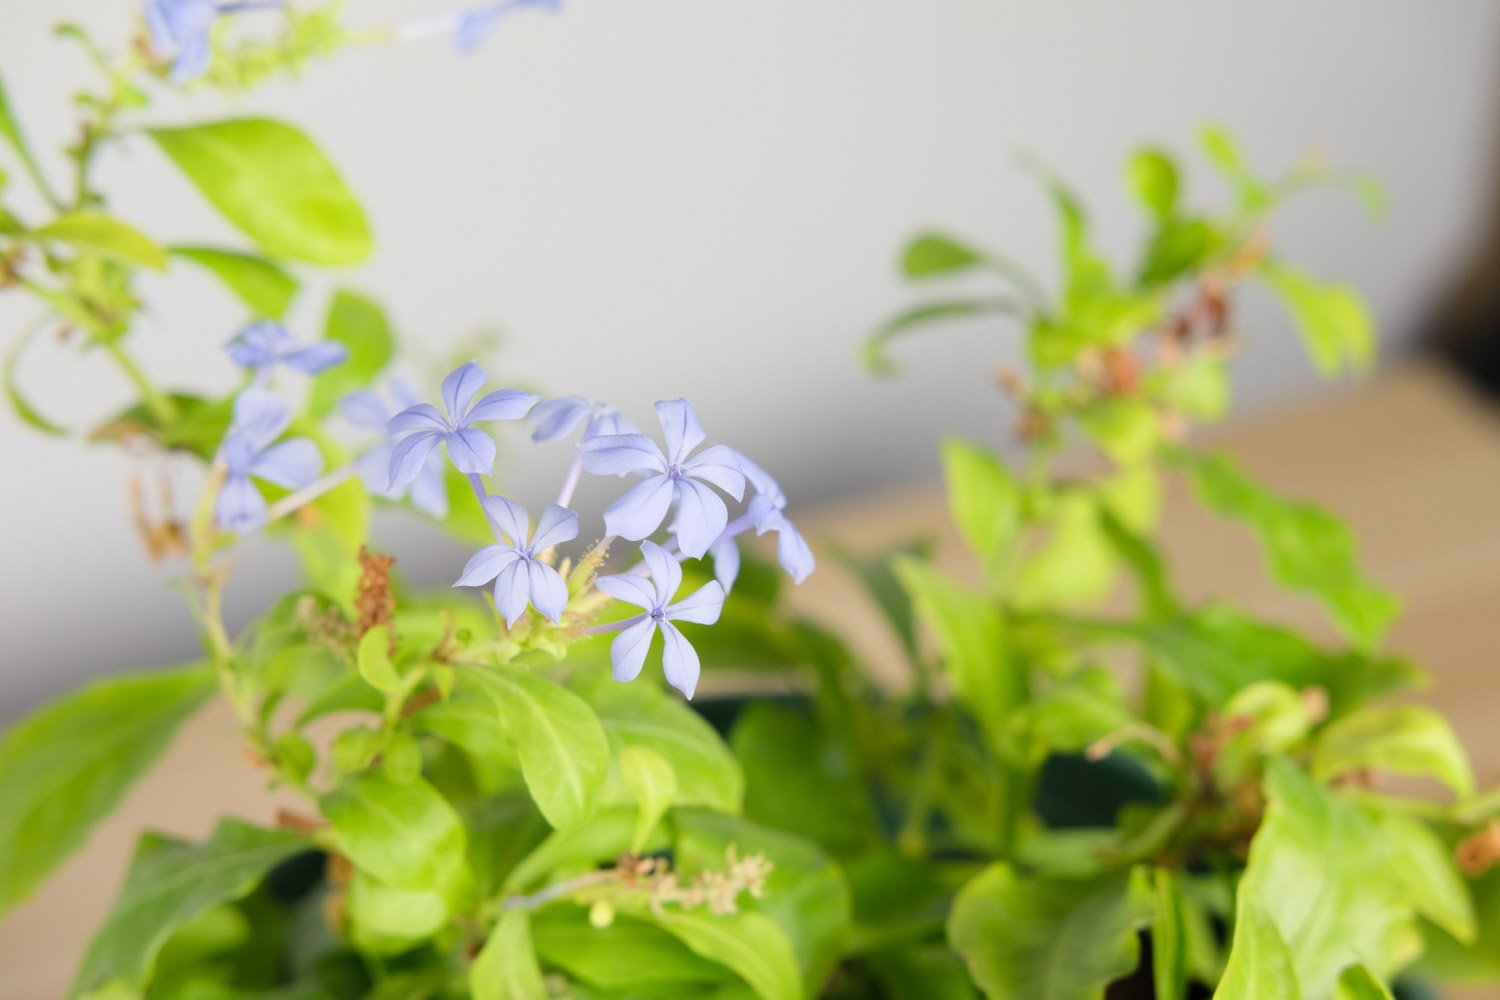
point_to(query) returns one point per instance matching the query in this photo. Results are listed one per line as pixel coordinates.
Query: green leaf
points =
(506, 968)
(874, 351)
(66, 766)
(1169, 946)
(273, 183)
(1153, 180)
(639, 715)
(653, 785)
(1344, 883)
(260, 284)
(1358, 983)
(934, 253)
(1177, 247)
(1048, 939)
(630, 954)
(562, 747)
(360, 325)
(748, 943)
(1333, 319)
(374, 660)
(1400, 739)
(406, 835)
(390, 921)
(984, 500)
(1308, 549)
(1260, 964)
(10, 128)
(874, 573)
(1222, 151)
(972, 636)
(98, 233)
(171, 882)
(22, 406)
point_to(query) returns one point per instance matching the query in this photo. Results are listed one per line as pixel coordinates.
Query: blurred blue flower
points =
(265, 343)
(629, 649)
(180, 28)
(474, 26)
(260, 418)
(520, 578)
(365, 408)
(471, 450)
(765, 513)
(556, 418)
(701, 515)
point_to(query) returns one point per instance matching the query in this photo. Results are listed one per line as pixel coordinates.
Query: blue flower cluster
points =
(678, 486)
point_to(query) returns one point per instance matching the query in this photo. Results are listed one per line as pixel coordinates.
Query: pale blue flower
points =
(475, 26)
(264, 344)
(181, 28)
(679, 660)
(471, 450)
(520, 578)
(766, 514)
(247, 452)
(701, 515)
(428, 490)
(556, 418)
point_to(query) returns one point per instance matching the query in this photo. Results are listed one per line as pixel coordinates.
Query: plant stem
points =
(162, 408)
(292, 501)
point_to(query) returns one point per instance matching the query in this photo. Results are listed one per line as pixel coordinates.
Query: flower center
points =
(659, 615)
(675, 473)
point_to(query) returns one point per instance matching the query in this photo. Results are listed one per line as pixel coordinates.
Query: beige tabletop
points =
(1411, 460)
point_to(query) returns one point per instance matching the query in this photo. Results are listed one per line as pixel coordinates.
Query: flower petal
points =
(726, 556)
(194, 57)
(291, 464)
(556, 525)
(763, 512)
(613, 454)
(239, 506)
(793, 552)
(421, 417)
(549, 595)
(628, 652)
(260, 415)
(666, 572)
(701, 607)
(630, 588)
(640, 511)
(512, 591)
(259, 344)
(758, 477)
(718, 465)
(510, 516)
(317, 358)
(679, 660)
(471, 450)
(403, 393)
(460, 386)
(680, 425)
(409, 454)
(429, 491)
(701, 517)
(556, 418)
(486, 564)
(502, 404)
(374, 468)
(363, 408)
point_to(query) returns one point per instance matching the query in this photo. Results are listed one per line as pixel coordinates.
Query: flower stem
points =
(309, 493)
(162, 408)
(483, 494)
(575, 471)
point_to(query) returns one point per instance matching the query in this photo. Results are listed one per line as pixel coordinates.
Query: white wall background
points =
(665, 197)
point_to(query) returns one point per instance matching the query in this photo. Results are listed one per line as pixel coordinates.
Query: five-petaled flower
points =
(181, 28)
(264, 344)
(556, 418)
(471, 450)
(260, 418)
(701, 515)
(474, 26)
(520, 577)
(365, 408)
(629, 649)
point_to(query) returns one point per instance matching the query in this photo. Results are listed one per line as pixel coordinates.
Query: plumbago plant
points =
(462, 774)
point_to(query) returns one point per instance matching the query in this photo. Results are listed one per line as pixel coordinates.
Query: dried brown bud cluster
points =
(1479, 852)
(373, 601)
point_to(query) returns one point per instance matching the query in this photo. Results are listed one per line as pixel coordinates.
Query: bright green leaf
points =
(1260, 964)
(654, 786)
(874, 350)
(1358, 983)
(265, 288)
(629, 955)
(1334, 321)
(171, 882)
(1399, 739)
(1048, 939)
(748, 943)
(22, 406)
(406, 835)
(1169, 946)
(984, 500)
(66, 766)
(934, 253)
(506, 968)
(359, 324)
(275, 184)
(375, 660)
(1153, 180)
(98, 233)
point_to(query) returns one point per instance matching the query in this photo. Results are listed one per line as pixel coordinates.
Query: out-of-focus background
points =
(652, 198)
